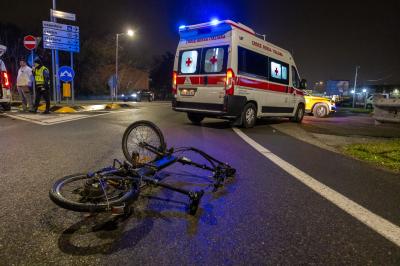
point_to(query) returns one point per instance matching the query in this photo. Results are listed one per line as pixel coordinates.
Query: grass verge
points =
(356, 110)
(383, 154)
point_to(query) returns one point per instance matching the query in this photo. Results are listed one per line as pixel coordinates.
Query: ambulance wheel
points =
(320, 110)
(298, 117)
(195, 118)
(249, 115)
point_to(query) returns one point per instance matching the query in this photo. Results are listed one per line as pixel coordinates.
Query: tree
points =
(161, 75)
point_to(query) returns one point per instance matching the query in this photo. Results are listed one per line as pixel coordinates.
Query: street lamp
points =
(130, 33)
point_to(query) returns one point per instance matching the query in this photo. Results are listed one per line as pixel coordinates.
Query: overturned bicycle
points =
(115, 187)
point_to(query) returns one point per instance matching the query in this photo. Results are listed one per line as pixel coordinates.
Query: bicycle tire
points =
(160, 143)
(65, 203)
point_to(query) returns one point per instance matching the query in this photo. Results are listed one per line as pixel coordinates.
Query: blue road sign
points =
(66, 73)
(112, 82)
(62, 37)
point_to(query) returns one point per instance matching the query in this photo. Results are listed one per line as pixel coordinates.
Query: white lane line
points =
(380, 225)
(62, 118)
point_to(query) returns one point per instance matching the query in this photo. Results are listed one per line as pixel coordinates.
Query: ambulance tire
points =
(195, 118)
(249, 115)
(298, 117)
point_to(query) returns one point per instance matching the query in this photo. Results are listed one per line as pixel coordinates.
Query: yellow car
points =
(319, 106)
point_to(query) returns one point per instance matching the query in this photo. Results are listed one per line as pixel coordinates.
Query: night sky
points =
(328, 38)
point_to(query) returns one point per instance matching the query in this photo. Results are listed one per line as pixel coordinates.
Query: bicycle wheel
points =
(134, 141)
(87, 194)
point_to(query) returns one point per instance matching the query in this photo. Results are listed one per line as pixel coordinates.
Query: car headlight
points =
(123, 95)
(134, 95)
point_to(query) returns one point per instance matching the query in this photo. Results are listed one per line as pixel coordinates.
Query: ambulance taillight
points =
(229, 82)
(174, 77)
(5, 80)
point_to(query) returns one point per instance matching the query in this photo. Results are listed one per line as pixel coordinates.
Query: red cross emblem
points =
(188, 62)
(276, 71)
(213, 60)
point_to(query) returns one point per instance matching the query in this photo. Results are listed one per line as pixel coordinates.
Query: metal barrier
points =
(387, 110)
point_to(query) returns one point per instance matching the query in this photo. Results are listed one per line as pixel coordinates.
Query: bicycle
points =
(115, 187)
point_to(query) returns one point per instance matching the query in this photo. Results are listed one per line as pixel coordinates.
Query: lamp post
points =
(355, 87)
(130, 33)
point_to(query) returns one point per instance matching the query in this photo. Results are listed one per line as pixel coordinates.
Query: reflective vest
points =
(39, 77)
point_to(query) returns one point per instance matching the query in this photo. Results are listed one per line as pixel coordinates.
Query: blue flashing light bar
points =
(215, 22)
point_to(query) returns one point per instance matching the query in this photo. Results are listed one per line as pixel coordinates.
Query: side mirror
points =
(303, 84)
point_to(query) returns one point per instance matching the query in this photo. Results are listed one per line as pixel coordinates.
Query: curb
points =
(67, 109)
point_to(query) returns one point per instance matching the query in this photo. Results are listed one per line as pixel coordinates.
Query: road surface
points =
(265, 215)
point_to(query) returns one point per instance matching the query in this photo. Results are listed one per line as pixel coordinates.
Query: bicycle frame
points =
(145, 173)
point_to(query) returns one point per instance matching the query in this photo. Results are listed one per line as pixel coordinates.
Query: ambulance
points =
(222, 69)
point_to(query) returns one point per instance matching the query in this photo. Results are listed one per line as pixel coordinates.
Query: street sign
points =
(66, 73)
(59, 36)
(60, 33)
(59, 26)
(62, 14)
(112, 82)
(29, 42)
(55, 39)
(62, 47)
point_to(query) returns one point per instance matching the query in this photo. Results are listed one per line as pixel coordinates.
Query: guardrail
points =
(387, 110)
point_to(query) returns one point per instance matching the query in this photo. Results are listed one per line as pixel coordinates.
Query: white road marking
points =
(53, 119)
(380, 225)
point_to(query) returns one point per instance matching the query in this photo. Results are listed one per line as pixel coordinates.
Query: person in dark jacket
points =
(41, 77)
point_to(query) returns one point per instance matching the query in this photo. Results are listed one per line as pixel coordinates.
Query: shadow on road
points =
(106, 234)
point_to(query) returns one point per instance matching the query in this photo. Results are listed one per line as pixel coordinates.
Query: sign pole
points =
(72, 82)
(33, 81)
(56, 60)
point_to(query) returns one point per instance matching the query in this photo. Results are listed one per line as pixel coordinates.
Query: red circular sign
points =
(30, 42)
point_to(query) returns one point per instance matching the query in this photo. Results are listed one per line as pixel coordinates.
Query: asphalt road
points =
(263, 216)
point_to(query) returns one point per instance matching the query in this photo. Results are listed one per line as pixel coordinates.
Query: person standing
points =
(24, 84)
(41, 76)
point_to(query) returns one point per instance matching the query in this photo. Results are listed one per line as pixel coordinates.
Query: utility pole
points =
(355, 86)
(115, 92)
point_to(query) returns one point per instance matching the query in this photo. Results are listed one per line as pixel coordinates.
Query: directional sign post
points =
(61, 37)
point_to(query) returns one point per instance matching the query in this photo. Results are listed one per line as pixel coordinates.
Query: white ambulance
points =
(223, 70)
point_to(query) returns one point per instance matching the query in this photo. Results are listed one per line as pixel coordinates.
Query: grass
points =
(384, 154)
(356, 110)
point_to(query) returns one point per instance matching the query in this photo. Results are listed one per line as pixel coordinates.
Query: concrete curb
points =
(67, 109)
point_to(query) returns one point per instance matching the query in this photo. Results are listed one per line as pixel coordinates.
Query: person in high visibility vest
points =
(41, 77)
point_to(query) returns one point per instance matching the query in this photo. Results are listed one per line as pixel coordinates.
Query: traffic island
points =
(113, 106)
(67, 109)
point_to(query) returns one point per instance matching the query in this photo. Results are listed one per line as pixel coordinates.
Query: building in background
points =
(338, 87)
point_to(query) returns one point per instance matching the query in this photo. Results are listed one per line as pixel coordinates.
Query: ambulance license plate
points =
(188, 92)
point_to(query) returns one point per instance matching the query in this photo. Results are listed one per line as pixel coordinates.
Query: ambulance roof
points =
(220, 27)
